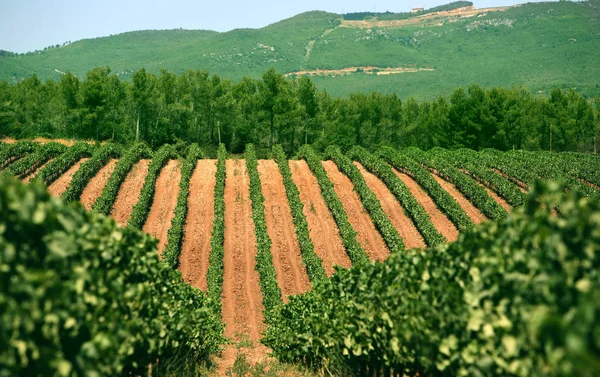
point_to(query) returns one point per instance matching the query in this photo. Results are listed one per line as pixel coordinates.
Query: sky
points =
(27, 25)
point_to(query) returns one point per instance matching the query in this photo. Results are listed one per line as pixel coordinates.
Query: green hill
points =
(541, 45)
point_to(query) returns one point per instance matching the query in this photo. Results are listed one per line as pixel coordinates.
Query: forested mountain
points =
(540, 46)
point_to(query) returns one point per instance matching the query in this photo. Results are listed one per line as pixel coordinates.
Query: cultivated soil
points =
(58, 187)
(94, 188)
(500, 200)
(323, 230)
(129, 192)
(521, 185)
(195, 249)
(164, 203)
(287, 258)
(439, 220)
(393, 209)
(34, 173)
(367, 235)
(476, 216)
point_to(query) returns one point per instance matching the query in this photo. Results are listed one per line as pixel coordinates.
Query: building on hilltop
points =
(415, 10)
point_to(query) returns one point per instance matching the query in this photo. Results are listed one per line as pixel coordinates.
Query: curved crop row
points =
(512, 169)
(414, 210)
(82, 296)
(15, 151)
(442, 199)
(314, 264)
(106, 200)
(388, 231)
(89, 169)
(264, 259)
(31, 162)
(142, 207)
(355, 251)
(214, 275)
(465, 184)
(517, 297)
(581, 165)
(63, 162)
(170, 255)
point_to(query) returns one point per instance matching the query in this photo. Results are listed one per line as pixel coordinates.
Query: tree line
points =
(206, 109)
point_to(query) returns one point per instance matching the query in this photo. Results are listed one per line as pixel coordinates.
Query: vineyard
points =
(487, 268)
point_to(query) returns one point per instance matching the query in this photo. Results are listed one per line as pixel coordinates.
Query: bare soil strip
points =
(195, 249)
(589, 183)
(94, 188)
(438, 218)
(466, 205)
(393, 209)
(164, 203)
(500, 200)
(520, 185)
(34, 173)
(287, 258)
(323, 230)
(58, 187)
(361, 69)
(367, 235)
(129, 192)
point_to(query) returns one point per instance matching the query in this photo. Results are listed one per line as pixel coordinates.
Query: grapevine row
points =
(31, 162)
(170, 255)
(355, 251)
(414, 210)
(62, 163)
(142, 208)
(371, 203)
(314, 265)
(15, 151)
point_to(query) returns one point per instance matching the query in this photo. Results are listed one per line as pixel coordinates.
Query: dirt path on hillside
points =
(195, 248)
(34, 173)
(393, 210)
(323, 230)
(129, 192)
(164, 203)
(287, 258)
(438, 218)
(58, 187)
(476, 216)
(367, 235)
(94, 188)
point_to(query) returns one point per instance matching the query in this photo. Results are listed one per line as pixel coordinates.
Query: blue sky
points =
(27, 25)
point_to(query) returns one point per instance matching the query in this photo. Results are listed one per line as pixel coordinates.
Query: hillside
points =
(540, 45)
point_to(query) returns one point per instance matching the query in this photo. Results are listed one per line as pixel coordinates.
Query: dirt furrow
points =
(287, 259)
(164, 203)
(129, 192)
(58, 187)
(94, 188)
(471, 211)
(500, 200)
(195, 249)
(367, 235)
(34, 173)
(323, 230)
(393, 210)
(439, 220)
(520, 185)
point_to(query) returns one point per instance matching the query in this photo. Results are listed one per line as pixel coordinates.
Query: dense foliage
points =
(62, 163)
(15, 151)
(82, 296)
(33, 161)
(517, 297)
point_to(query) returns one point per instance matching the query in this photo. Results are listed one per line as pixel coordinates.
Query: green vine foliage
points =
(82, 296)
(12, 152)
(89, 169)
(314, 265)
(264, 259)
(516, 297)
(62, 163)
(388, 231)
(31, 162)
(170, 255)
(106, 200)
(414, 210)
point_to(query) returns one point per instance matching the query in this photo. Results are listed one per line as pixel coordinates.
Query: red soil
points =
(367, 234)
(34, 173)
(393, 210)
(438, 218)
(195, 249)
(164, 203)
(94, 188)
(287, 258)
(589, 183)
(471, 211)
(497, 198)
(323, 230)
(58, 187)
(129, 192)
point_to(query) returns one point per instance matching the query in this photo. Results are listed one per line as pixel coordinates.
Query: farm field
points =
(250, 233)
